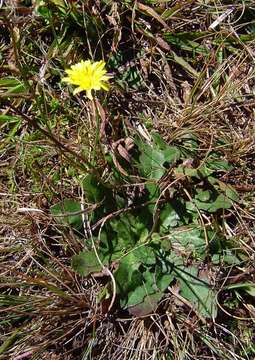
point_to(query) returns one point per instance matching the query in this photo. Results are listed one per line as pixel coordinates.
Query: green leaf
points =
(128, 229)
(142, 277)
(127, 276)
(248, 287)
(109, 245)
(190, 144)
(164, 280)
(9, 119)
(158, 141)
(204, 196)
(145, 255)
(148, 305)
(219, 165)
(130, 78)
(198, 291)
(153, 191)
(180, 61)
(12, 85)
(122, 234)
(214, 203)
(144, 299)
(86, 262)
(146, 288)
(184, 41)
(189, 240)
(151, 163)
(226, 258)
(65, 212)
(59, 3)
(171, 154)
(9, 82)
(152, 284)
(9, 341)
(154, 159)
(228, 190)
(93, 189)
(169, 218)
(44, 11)
(199, 173)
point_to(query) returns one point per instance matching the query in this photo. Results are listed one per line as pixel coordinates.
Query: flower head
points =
(88, 76)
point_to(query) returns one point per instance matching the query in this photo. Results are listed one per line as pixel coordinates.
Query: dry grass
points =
(47, 311)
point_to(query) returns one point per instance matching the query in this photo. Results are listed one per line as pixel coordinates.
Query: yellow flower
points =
(88, 76)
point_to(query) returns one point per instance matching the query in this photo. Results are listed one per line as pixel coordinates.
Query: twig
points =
(24, 355)
(105, 269)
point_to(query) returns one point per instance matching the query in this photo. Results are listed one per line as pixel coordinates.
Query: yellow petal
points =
(66, 79)
(87, 76)
(105, 86)
(77, 90)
